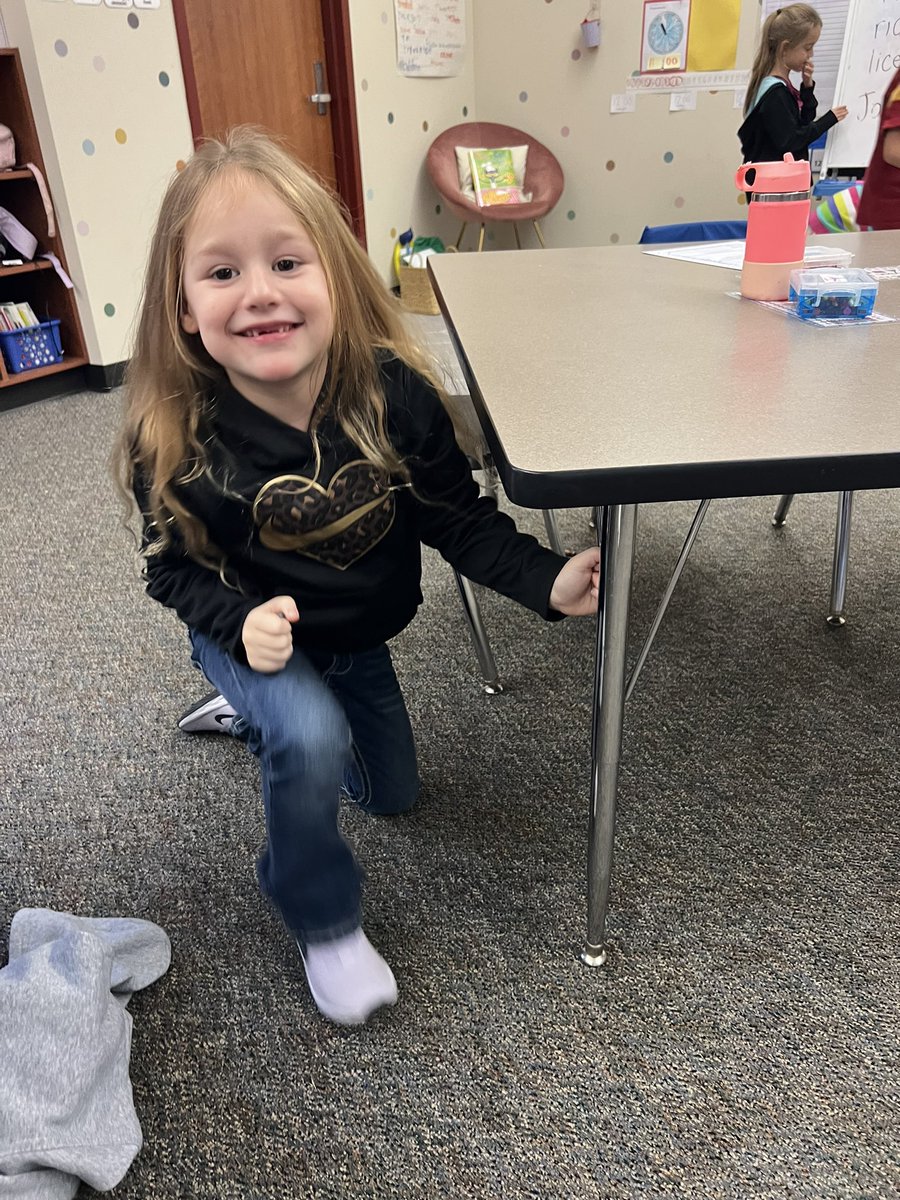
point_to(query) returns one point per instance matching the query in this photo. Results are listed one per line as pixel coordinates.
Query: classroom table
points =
(606, 378)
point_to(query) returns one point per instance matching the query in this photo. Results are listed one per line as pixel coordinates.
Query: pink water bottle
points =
(777, 217)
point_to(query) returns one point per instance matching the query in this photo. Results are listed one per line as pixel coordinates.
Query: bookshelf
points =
(35, 282)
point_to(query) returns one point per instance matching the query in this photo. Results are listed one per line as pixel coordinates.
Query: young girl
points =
(289, 452)
(779, 119)
(879, 207)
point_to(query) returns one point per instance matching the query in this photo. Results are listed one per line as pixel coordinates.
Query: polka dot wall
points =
(116, 148)
(622, 171)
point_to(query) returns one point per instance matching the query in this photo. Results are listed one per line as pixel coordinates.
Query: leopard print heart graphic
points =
(336, 524)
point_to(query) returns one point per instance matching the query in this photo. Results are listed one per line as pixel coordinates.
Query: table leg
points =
(616, 536)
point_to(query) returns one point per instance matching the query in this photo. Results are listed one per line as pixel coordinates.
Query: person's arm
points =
(195, 592)
(808, 103)
(469, 532)
(890, 151)
(780, 121)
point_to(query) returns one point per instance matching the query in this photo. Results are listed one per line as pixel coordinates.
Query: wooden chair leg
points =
(537, 230)
(458, 242)
(481, 240)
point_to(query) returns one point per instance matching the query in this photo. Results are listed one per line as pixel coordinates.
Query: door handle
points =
(320, 97)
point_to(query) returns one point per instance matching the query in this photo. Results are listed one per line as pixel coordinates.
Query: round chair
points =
(543, 176)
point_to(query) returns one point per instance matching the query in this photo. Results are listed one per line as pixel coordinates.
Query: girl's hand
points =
(577, 587)
(840, 111)
(267, 634)
(808, 68)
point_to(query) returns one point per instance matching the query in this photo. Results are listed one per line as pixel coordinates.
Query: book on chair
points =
(494, 178)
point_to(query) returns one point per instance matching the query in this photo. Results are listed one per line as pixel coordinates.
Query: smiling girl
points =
(289, 452)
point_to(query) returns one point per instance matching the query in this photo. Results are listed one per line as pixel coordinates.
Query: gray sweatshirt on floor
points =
(66, 1108)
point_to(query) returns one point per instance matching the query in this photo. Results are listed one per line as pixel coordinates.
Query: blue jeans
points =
(326, 723)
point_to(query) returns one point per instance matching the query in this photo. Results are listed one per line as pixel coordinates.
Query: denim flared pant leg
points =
(324, 722)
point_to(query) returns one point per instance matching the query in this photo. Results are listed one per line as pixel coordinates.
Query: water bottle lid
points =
(787, 175)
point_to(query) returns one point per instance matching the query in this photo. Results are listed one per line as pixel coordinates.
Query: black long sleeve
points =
(777, 127)
(337, 534)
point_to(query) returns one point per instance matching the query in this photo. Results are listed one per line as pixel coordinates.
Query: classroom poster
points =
(664, 35)
(713, 35)
(431, 36)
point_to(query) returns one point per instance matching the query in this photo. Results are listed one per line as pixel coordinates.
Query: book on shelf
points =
(16, 316)
(494, 178)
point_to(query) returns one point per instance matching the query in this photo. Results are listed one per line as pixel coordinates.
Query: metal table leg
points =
(841, 559)
(616, 536)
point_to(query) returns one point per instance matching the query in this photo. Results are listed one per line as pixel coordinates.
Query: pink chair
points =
(543, 176)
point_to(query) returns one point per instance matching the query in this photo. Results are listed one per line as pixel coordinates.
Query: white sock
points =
(348, 978)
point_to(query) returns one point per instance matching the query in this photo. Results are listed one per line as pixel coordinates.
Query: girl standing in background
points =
(779, 119)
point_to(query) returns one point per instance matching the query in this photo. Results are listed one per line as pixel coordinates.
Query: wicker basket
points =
(416, 292)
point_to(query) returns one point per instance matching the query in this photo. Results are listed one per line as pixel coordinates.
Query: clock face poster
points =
(665, 35)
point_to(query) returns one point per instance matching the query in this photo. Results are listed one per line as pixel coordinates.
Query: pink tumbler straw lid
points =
(789, 175)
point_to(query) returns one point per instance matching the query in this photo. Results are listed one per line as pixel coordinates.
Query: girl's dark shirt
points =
(343, 541)
(778, 126)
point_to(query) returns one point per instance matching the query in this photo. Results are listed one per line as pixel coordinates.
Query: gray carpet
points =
(743, 1041)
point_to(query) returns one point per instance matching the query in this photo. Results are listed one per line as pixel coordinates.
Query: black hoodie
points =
(343, 542)
(776, 126)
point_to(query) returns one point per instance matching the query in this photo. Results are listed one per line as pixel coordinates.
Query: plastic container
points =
(36, 346)
(831, 293)
(826, 256)
(777, 217)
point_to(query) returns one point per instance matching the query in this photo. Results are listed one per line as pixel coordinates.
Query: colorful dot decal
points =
(61, 48)
(614, 237)
(570, 214)
(393, 233)
(523, 96)
(742, 199)
(83, 228)
(180, 164)
(576, 54)
(88, 146)
(370, 194)
(384, 18)
(679, 201)
(164, 78)
(465, 110)
(99, 63)
(364, 85)
(121, 137)
(424, 126)
(437, 209)
(390, 118)
(134, 20)
(610, 165)
(668, 156)
(564, 132)
(109, 309)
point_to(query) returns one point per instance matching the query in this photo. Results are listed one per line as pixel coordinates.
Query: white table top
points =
(607, 375)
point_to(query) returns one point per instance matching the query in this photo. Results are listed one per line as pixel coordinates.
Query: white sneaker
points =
(348, 978)
(212, 714)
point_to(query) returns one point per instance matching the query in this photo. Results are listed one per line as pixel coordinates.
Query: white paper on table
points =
(622, 103)
(731, 254)
(789, 309)
(883, 272)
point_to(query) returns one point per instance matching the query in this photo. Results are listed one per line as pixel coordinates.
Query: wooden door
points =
(254, 62)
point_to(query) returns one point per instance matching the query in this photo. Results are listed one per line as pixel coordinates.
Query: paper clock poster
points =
(665, 35)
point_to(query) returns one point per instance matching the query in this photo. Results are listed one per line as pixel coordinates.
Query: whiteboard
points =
(870, 56)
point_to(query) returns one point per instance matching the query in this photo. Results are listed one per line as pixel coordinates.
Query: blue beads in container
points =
(829, 292)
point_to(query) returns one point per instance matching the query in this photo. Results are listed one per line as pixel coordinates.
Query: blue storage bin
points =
(36, 346)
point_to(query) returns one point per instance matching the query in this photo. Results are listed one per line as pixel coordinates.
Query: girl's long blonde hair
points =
(170, 374)
(791, 24)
